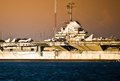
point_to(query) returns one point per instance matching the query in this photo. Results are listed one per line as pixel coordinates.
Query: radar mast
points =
(55, 15)
(70, 6)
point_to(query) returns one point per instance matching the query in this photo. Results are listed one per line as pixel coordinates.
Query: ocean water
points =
(60, 71)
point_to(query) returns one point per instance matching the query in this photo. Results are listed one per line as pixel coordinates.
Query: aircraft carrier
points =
(71, 43)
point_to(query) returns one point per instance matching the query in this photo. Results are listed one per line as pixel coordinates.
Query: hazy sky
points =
(35, 18)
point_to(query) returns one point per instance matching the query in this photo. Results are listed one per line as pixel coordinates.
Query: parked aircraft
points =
(25, 40)
(8, 40)
(13, 40)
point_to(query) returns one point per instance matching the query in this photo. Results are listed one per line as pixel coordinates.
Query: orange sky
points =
(35, 18)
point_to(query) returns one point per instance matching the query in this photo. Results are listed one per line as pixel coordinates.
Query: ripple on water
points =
(59, 71)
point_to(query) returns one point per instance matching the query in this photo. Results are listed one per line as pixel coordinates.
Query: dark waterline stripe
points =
(57, 60)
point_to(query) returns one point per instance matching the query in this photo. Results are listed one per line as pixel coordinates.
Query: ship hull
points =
(61, 56)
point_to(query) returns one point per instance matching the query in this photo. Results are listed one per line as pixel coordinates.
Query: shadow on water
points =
(59, 71)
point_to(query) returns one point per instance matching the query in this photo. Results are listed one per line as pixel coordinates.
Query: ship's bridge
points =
(72, 32)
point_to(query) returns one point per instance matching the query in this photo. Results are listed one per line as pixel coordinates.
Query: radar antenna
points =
(70, 6)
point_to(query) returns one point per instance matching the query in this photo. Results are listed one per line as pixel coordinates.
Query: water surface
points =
(59, 71)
